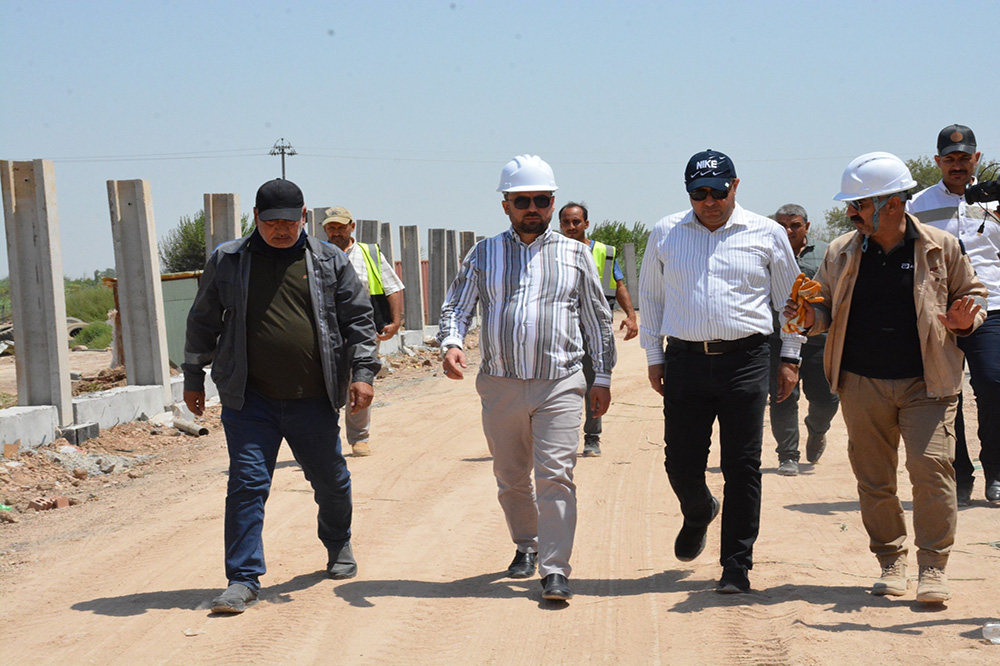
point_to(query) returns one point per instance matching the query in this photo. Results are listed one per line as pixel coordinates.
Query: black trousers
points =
(699, 390)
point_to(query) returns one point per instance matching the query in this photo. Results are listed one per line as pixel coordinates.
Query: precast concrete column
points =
(314, 222)
(451, 258)
(222, 220)
(466, 239)
(140, 298)
(413, 295)
(437, 267)
(37, 292)
(385, 241)
(629, 267)
(366, 231)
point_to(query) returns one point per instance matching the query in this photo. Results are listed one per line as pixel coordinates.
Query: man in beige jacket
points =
(896, 294)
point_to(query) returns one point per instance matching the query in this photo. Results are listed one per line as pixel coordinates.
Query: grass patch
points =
(89, 303)
(7, 400)
(96, 335)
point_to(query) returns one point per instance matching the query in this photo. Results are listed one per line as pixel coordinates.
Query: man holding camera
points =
(976, 224)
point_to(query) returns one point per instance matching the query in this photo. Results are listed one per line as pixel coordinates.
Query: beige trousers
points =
(534, 424)
(878, 412)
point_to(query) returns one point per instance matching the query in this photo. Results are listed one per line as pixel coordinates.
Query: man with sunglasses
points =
(943, 205)
(542, 307)
(574, 224)
(896, 294)
(711, 278)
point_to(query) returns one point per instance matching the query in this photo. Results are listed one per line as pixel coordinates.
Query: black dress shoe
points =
(734, 581)
(556, 588)
(690, 540)
(993, 490)
(522, 566)
(964, 493)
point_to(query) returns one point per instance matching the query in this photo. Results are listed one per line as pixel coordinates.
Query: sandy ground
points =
(127, 578)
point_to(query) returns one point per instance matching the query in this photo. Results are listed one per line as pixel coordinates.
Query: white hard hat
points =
(872, 175)
(527, 173)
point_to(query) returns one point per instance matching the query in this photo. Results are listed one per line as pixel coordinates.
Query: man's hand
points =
(656, 377)
(600, 400)
(808, 313)
(961, 315)
(388, 331)
(788, 377)
(630, 327)
(454, 363)
(195, 401)
(360, 395)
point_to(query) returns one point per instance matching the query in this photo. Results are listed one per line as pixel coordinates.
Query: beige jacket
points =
(942, 274)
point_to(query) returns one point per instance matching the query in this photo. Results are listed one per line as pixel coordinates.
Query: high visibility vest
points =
(373, 264)
(604, 257)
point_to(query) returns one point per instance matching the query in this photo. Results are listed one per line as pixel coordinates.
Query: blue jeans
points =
(982, 353)
(823, 403)
(697, 391)
(253, 435)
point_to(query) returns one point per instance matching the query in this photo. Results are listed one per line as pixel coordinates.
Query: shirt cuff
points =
(791, 348)
(602, 379)
(654, 357)
(452, 340)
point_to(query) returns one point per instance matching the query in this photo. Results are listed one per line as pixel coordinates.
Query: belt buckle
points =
(705, 345)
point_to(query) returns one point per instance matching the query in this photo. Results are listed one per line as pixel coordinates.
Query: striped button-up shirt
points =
(536, 300)
(699, 285)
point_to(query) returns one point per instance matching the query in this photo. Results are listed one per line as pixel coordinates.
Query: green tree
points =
(924, 171)
(613, 232)
(183, 248)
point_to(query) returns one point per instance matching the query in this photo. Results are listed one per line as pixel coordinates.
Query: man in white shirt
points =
(378, 277)
(711, 277)
(977, 225)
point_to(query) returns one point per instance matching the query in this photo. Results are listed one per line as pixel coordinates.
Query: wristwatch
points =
(445, 348)
(792, 361)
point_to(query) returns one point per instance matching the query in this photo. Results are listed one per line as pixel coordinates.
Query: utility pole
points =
(282, 147)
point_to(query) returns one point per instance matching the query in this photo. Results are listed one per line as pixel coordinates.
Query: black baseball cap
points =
(709, 168)
(279, 199)
(956, 138)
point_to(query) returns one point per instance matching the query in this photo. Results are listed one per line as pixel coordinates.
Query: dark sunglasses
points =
(541, 201)
(701, 195)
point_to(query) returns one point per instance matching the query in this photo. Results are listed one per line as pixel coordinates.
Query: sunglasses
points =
(540, 200)
(701, 195)
(856, 205)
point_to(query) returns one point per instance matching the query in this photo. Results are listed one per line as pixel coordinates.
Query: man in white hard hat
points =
(978, 227)
(823, 404)
(380, 280)
(712, 277)
(574, 224)
(542, 307)
(896, 294)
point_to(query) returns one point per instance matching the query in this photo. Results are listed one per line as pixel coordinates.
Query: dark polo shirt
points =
(882, 340)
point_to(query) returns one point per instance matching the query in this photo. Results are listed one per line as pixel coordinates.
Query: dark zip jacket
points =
(217, 331)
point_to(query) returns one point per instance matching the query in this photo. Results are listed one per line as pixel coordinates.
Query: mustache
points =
(857, 219)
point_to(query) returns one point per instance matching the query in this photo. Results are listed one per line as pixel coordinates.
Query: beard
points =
(533, 225)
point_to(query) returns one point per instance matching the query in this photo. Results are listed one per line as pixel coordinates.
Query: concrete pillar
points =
(222, 220)
(451, 258)
(385, 241)
(37, 293)
(437, 267)
(466, 239)
(140, 299)
(366, 231)
(413, 295)
(314, 222)
(629, 268)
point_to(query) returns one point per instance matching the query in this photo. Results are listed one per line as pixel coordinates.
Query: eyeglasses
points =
(540, 200)
(701, 194)
(857, 205)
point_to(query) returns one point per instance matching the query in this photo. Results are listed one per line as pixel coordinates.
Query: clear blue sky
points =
(406, 111)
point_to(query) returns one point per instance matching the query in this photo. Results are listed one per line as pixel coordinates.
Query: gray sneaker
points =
(236, 599)
(788, 468)
(592, 448)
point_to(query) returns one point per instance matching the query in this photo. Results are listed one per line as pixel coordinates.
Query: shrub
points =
(89, 303)
(96, 335)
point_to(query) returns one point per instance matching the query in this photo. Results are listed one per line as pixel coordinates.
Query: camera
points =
(988, 190)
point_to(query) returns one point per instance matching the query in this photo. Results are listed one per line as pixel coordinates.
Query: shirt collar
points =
(737, 218)
(544, 237)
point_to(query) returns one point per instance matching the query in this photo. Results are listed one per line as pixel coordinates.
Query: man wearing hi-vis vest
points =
(573, 222)
(379, 278)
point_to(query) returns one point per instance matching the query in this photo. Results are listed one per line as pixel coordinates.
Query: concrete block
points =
(177, 387)
(118, 405)
(390, 346)
(412, 338)
(33, 426)
(79, 432)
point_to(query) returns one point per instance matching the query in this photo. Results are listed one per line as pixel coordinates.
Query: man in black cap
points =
(711, 277)
(977, 225)
(284, 321)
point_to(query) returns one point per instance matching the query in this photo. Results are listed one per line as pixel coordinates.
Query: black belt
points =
(716, 347)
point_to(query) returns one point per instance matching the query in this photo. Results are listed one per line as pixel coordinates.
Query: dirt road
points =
(127, 579)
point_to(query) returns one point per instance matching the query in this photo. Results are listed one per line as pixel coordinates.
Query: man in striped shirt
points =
(542, 306)
(710, 278)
